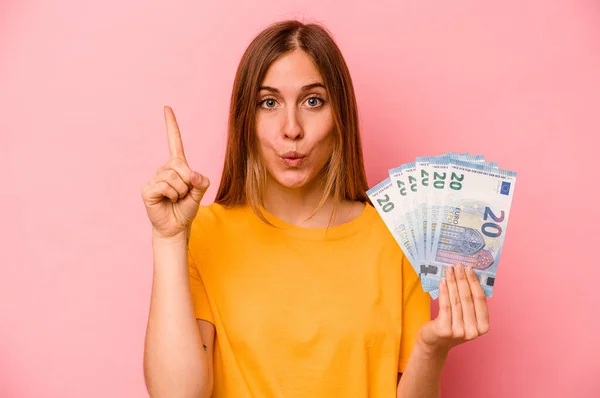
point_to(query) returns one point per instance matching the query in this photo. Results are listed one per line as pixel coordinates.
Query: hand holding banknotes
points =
(448, 209)
(463, 313)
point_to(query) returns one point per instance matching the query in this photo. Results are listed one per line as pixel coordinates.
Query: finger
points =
(182, 168)
(457, 319)
(174, 179)
(444, 318)
(466, 302)
(200, 186)
(168, 191)
(174, 135)
(157, 191)
(161, 168)
(479, 302)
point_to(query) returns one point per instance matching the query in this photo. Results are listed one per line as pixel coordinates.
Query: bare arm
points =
(463, 316)
(422, 377)
(175, 363)
(207, 332)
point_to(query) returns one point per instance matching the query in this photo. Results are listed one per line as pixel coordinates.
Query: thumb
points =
(200, 184)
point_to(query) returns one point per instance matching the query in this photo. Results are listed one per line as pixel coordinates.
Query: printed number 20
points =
(385, 203)
(491, 229)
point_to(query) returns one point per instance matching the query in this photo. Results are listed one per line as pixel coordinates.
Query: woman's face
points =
(293, 121)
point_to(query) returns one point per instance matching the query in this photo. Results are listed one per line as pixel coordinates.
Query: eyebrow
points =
(304, 88)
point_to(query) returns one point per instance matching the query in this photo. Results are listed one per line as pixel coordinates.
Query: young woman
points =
(290, 285)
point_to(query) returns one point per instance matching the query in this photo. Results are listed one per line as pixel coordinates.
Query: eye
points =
(268, 103)
(314, 102)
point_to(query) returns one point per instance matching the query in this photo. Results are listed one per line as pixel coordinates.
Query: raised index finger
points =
(175, 144)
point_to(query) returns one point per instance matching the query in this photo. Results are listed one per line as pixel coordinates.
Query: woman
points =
(290, 285)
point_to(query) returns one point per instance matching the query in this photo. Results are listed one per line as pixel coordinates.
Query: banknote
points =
(434, 170)
(435, 207)
(404, 179)
(473, 220)
(411, 182)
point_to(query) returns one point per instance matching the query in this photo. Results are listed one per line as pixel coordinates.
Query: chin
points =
(293, 179)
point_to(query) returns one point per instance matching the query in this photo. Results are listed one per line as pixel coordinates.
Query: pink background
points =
(82, 86)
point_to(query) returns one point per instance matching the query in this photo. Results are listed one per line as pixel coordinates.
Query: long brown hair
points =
(244, 174)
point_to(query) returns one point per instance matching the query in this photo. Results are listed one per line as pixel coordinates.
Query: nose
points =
(293, 127)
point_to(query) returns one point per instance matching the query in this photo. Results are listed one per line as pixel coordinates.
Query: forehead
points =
(292, 70)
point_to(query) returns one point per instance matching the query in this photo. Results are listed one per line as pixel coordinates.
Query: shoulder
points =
(378, 227)
(382, 237)
(210, 213)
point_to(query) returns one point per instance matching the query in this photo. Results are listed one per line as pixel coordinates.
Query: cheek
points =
(324, 139)
(324, 148)
(265, 134)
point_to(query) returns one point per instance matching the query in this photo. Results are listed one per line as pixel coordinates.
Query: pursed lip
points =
(293, 158)
(293, 155)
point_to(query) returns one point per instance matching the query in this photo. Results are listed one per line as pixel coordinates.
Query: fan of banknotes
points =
(447, 209)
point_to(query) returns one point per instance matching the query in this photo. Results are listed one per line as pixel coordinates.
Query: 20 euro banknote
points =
(472, 220)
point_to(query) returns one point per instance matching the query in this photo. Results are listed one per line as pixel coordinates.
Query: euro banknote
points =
(447, 209)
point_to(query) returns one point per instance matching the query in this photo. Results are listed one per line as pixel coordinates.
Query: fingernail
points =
(470, 269)
(449, 270)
